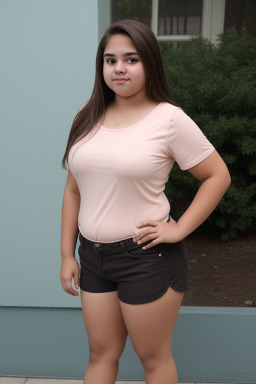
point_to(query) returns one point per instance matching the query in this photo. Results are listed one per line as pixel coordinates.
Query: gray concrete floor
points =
(24, 380)
(29, 380)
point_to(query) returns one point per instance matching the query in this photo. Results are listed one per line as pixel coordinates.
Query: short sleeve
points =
(187, 144)
(67, 165)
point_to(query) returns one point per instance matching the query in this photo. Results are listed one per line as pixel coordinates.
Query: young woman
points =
(133, 262)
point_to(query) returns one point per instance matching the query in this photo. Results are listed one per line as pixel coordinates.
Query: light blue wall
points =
(47, 71)
(210, 345)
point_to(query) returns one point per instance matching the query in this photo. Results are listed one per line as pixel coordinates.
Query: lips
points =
(120, 79)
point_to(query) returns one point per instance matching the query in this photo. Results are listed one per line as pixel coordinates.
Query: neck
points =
(130, 102)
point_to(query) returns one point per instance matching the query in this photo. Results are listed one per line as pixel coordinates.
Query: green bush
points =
(215, 86)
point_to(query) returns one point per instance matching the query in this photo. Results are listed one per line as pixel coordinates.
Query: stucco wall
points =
(47, 71)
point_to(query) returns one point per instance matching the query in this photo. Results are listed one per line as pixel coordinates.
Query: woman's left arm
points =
(215, 178)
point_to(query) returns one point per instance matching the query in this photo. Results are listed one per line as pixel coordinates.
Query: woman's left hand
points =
(159, 232)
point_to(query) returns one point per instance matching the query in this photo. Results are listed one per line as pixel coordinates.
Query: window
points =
(241, 12)
(174, 20)
(179, 17)
(140, 10)
(167, 18)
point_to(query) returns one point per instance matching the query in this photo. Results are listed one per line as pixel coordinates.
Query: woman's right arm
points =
(69, 232)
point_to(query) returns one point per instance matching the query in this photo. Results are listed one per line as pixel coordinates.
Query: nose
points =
(120, 67)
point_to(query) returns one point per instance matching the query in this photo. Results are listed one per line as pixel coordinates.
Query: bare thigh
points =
(104, 324)
(151, 325)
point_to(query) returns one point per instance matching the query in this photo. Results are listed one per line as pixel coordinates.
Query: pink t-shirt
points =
(121, 172)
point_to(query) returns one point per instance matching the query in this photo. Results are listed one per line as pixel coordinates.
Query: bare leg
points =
(151, 327)
(107, 335)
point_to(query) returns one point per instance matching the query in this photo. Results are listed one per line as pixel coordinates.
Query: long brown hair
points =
(156, 86)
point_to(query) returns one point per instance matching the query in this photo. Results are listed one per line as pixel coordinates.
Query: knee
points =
(100, 353)
(153, 361)
(149, 363)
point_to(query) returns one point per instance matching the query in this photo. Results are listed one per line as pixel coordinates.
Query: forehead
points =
(119, 43)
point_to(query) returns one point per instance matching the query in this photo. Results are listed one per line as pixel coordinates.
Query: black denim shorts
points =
(140, 276)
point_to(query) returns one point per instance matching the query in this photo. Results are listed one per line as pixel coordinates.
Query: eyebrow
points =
(125, 54)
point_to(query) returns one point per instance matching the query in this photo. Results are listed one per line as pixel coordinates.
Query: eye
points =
(110, 61)
(132, 60)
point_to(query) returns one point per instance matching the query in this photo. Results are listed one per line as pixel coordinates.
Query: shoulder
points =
(175, 115)
(168, 111)
(82, 106)
(80, 109)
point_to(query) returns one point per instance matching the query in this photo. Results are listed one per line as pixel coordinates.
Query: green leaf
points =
(249, 302)
(215, 86)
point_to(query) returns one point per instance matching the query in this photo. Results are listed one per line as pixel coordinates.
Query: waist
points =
(98, 244)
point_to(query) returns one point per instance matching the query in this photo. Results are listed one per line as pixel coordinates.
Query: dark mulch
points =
(223, 274)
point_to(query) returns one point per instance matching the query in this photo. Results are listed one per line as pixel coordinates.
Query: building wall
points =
(47, 71)
(209, 345)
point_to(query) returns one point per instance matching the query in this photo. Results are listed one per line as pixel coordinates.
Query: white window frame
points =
(212, 21)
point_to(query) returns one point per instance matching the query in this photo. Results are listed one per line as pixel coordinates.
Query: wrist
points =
(181, 232)
(175, 232)
(67, 254)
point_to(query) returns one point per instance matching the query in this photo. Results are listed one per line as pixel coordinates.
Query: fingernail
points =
(77, 286)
